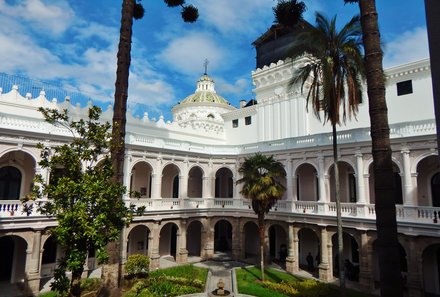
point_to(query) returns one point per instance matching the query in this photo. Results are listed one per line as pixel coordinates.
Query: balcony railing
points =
(406, 214)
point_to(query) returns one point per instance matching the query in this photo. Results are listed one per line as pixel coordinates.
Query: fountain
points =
(220, 291)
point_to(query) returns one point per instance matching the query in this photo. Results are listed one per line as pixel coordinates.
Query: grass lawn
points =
(175, 281)
(281, 284)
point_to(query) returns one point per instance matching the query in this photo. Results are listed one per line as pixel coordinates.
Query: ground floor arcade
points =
(29, 257)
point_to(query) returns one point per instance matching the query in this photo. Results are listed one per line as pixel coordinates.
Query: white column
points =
(321, 180)
(183, 180)
(289, 187)
(183, 186)
(360, 179)
(407, 185)
(156, 180)
(127, 175)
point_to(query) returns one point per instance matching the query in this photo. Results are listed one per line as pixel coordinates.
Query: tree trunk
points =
(338, 213)
(261, 232)
(387, 242)
(110, 271)
(75, 284)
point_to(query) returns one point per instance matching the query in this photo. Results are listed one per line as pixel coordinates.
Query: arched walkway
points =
(17, 171)
(194, 238)
(307, 183)
(224, 185)
(141, 177)
(138, 240)
(277, 244)
(350, 257)
(251, 242)
(13, 259)
(170, 181)
(168, 240)
(49, 257)
(308, 244)
(195, 182)
(428, 182)
(347, 183)
(223, 237)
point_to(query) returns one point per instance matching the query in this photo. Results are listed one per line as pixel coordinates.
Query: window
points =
(10, 182)
(404, 87)
(248, 120)
(234, 123)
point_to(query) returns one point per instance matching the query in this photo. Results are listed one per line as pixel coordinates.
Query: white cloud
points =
(408, 47)
(187, 53)
(54, 18)
(235, 17)
(238, 87)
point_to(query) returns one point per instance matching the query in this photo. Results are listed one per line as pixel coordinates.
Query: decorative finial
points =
(206, 66)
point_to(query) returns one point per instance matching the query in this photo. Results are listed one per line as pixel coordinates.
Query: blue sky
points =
(74, 42)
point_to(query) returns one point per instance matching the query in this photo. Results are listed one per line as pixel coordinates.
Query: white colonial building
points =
(186, 171)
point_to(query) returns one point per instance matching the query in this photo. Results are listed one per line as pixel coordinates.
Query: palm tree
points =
(332, 70)
(261, 183)
(130, 9)
(384, 188)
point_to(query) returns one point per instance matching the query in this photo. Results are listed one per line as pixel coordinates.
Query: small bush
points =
(283, 287)
(137, 265)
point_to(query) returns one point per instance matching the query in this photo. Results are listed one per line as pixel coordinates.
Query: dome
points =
(205, 92)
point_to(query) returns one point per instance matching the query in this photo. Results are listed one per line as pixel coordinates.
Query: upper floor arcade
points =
(178, 181)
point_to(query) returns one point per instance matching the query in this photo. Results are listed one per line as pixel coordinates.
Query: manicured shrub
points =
(137, 265)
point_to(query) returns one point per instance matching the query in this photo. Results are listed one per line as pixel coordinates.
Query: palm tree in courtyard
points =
(331, 69)
(131, 9)
(387, 242)
(261, 184)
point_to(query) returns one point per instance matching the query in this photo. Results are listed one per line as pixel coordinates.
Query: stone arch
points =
(251, 242)
(223, 236)
(168, 240)
(307, 182)
(278, 243)
(31, 153)
(49, 257)
(195, 182)
(141, 178)
(428, 181)
(341, 160)
(18, 174)
(13, 251)
(170, 181)
(194, 238)
(224, 183)
(137, 240)
(351, 257)
(308, 242)
(347, 182)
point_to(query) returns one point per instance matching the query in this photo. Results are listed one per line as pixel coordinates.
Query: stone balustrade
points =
(405, 214)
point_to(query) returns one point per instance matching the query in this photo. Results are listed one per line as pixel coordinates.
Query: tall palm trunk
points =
(111, 271)
(387, 242)
(261, 227)
(338, 213)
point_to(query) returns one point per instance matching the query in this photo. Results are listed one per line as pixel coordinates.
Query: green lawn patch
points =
(281, 284)
(175, 281)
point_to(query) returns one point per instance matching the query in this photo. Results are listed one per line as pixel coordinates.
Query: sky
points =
(73, 43)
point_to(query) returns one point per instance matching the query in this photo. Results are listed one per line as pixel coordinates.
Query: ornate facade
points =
(186, 171)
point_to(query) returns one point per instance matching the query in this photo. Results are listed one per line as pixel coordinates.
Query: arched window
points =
(10, 182)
